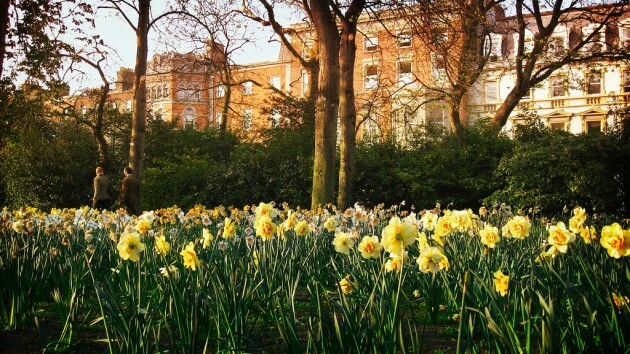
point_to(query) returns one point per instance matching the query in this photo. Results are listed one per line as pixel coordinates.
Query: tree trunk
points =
(226, 106)
(103, 148)
(4, 28)
(139, 115)
(511, 101)
(347, 109)
(327, 104)
(454, 114)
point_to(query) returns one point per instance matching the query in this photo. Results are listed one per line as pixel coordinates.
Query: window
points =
(435, 116)
(558, 126)
(275, 119)
(370, 76)
(276, 82)
(624, 34)
(594, 83)
(128, 106)
(189, 116)
(491, 91)
(197, 93)
(404, 123)
(370, 43)
(405, 75)
(556, 45)
(626, 81)
(439, 67)
(558, 86)
(403, 40)
(304, 83)
(528, 43)
(527, 95)
(159, 91)
(83, 110)
(493, 47)
(596, 42)
(247, 119)
(184, 93)
(166, 93)
(248, 88)
(220, 91)
(593, 127)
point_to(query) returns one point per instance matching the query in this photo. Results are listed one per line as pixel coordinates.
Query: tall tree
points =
(457, 35)
(538, 53)
(144, 22)
(347, 109)
(325, 93)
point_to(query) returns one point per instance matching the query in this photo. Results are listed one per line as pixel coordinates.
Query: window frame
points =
(408, 43)
(373, 39)
(247, 119)
(370, 82)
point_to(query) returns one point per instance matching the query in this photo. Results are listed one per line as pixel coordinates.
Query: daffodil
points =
(431, 260)
(560, 237)
(369, 247)
(206, 237)
(330, 224)
(190, 256)
(161, 245)
(517, 227)
(615, 240)
(129, 246)
(265, 228)
(347, 286)
(429, 220)
(395, 262)
(343, 242)
(501, 282)
(397, 235)
(229, 228)
(301, 228)
(489, 236)
(143, 226)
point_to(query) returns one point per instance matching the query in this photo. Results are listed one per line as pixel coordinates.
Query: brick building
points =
(395, 77)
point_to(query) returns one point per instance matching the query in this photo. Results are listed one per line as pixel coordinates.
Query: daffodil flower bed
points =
(279, 279)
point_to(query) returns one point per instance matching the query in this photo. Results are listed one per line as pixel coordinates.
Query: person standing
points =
(101, 199)
(129, 192)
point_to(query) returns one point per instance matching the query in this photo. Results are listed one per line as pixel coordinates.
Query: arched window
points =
(189, 116)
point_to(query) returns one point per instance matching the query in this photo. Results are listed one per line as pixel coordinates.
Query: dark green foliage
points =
(451, 169)
(50, 165)
(550, 169)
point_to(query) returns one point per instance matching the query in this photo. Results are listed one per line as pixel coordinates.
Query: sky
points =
(117, 34)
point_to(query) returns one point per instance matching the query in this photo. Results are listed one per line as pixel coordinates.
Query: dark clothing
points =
(101, 198)
(129, 193)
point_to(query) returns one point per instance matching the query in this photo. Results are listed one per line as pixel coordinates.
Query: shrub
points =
(550, 169)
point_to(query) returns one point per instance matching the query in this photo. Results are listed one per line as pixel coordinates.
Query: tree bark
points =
(4, 28)
(347, 109)
(103, 147)
(139, 114)
(327, 104)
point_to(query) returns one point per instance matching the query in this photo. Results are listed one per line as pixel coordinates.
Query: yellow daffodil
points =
(431, 260)
(422, 240)
(229, 228)
(429, 220)
(343, 242)
(129, 246)
(265, 228)
(301, 228)
(489, 236)
(161, 245)
(190, 256)
(615, 240)
(330, 224)
(501, 282)
(143, 226)
(442, 229)
(560, 237)
(588, 234)
(517, 227)
(395, 262)
(369, 247)
(347, 286)
(397, 235)
(207, 238)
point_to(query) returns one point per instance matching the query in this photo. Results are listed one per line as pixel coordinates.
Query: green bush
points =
(50, 165)
(455, 170)
(549, 169)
